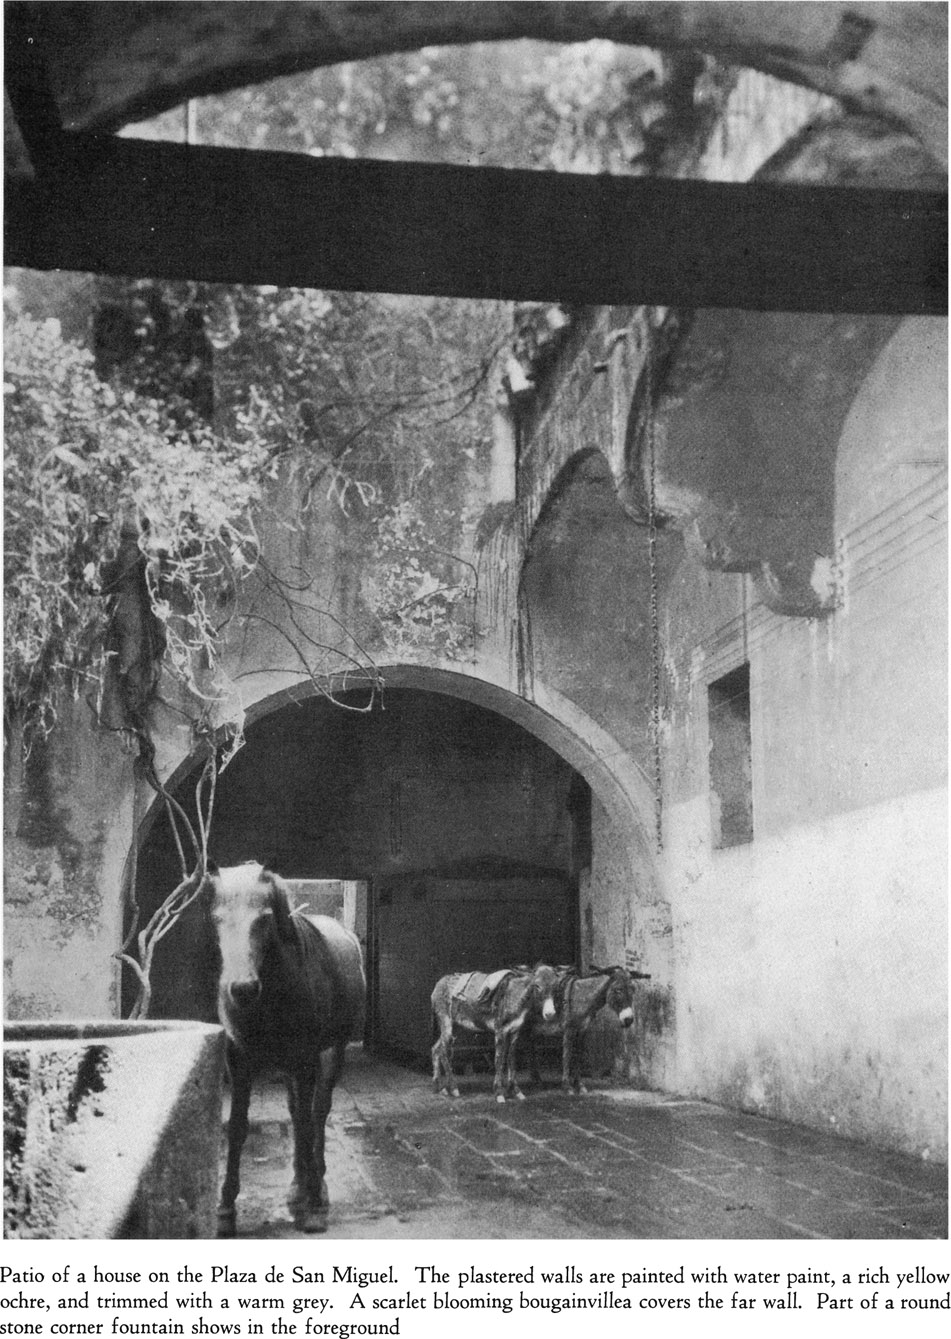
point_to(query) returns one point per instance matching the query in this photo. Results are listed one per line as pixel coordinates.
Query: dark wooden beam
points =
(120, 206)
(27, 86)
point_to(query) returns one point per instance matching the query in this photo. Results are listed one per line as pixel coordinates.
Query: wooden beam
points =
(119, 206)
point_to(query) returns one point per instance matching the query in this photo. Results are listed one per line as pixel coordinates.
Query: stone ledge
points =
(111, 1129)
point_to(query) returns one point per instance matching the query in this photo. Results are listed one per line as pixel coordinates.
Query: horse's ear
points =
(279, 899)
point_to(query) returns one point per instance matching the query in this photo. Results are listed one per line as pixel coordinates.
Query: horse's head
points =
(250, 910)
(620, 996)
(544, 985)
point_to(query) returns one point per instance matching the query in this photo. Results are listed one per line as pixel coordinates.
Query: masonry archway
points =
(482, 823)
(107, 67)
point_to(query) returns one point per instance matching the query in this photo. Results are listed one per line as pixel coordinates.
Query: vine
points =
(127, 534)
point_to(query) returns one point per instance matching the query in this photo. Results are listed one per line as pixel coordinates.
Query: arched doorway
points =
(480, 844)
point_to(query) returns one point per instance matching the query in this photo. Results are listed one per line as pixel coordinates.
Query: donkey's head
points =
(250, 910)
(620, 996)
(544, 985)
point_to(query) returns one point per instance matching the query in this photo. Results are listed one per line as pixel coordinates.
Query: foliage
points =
(374, 402)
(586, 107)
(422, 595)
(84, 460)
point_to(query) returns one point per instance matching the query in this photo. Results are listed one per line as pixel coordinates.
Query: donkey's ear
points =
(279, 899)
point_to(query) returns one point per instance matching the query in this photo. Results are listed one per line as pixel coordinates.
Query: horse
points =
(500, 1003)
(578, 999)
(291, 987)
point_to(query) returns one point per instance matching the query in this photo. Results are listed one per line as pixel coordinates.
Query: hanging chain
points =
(652, 562)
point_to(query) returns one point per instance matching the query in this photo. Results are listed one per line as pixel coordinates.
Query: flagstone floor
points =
(403, 1162)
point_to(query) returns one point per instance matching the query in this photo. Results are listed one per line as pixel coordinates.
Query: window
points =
(731, 772)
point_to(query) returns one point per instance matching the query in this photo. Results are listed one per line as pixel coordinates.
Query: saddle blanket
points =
(478, 987)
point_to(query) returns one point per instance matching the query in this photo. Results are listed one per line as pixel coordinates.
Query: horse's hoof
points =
(227, 1225)
(454, 1092)
(500, 1097)
(582, 1091)
(520, 1095)
(309, 1218)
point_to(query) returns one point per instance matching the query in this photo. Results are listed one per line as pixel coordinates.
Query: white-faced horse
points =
(291, 987)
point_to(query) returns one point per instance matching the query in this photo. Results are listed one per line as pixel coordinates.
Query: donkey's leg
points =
(571, 1048)
(240, 1073)
(511, 1058)
(436, 1053)
(442, 1058)
(566, 1058)
(501, 1059)
(577, 1053)
(505, 1039)
(534, 1073)
(302, 1084)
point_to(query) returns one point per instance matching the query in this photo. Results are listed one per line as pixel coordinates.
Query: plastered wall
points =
(810, 965)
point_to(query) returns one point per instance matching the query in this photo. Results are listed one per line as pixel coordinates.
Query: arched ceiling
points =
(82, 201)
(111, 63)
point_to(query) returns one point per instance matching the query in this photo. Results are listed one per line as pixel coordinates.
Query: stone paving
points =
(403, 1162)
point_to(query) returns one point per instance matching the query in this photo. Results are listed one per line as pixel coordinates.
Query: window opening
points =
(344, 899)
(731, 771)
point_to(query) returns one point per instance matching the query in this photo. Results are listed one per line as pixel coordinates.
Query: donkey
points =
(291, 987)
(579, 997)
(501, 1004)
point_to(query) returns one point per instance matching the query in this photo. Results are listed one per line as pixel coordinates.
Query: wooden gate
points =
(423, 927)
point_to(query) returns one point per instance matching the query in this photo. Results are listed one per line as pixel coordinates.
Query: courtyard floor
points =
(404, 1162)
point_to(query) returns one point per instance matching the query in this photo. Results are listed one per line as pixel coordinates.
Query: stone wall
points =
(68, 821)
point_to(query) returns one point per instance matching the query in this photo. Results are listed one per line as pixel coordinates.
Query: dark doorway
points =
(470, 831)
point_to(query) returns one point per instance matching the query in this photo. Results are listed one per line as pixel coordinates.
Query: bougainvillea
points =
(86, 463)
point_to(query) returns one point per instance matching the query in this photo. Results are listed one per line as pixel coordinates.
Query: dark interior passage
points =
(470, 832)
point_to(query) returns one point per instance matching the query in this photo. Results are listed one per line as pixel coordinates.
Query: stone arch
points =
(622, 912)
(110, 66)
(551, 717)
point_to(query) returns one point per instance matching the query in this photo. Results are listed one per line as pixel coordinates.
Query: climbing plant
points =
(372, 402)
(107, 500)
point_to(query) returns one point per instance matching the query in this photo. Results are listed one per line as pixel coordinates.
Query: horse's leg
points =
(323, 1099)
(240, 1072)
(302, 1085)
